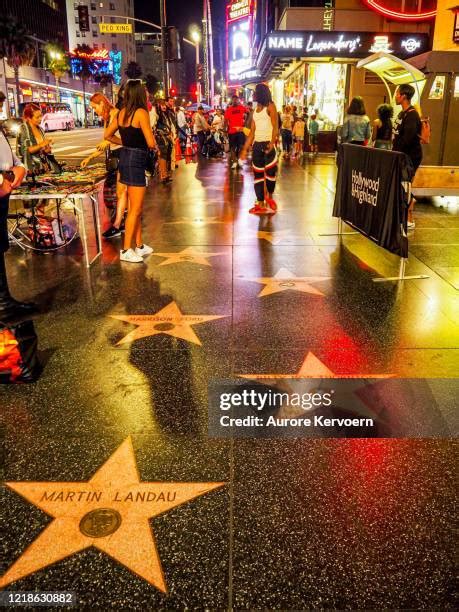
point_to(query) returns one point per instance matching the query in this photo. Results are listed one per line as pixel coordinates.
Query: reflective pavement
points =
(121, 409)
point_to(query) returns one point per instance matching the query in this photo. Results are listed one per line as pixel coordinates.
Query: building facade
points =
(308, 50)
(103, 12)
(148, 50)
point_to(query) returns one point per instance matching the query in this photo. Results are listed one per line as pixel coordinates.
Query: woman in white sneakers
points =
(133, 123)
(263, 134)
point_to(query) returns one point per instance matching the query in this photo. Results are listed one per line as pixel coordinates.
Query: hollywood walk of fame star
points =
(169, 320)
(188, 255)
(312, 367)
(275, 237)
(110, 512)
(197, 221)
(284, 280)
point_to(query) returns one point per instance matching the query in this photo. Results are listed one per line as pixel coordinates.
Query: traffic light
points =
(172, 38)
(199, 72)
(173, 91)
(83, 18)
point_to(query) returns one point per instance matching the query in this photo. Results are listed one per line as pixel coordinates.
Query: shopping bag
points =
(19, 361)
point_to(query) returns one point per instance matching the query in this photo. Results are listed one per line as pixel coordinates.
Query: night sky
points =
(182, 14)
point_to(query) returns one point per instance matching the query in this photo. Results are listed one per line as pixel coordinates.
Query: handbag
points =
(18, 353)
(112, 160)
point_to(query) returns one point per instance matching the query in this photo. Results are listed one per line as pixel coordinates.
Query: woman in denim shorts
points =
(133, 123)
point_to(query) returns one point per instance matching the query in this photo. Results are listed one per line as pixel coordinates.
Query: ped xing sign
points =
(344, 44)
(115, 28)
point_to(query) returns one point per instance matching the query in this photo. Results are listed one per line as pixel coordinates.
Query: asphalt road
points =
(75, 145)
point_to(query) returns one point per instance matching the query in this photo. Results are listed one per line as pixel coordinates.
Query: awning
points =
(391, 69)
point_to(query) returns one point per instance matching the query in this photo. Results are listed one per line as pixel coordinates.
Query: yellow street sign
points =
(115, 28)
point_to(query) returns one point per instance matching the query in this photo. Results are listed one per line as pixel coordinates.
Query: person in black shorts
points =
(407, 136)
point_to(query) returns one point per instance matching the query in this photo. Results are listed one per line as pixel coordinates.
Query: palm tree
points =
(133, 70)
(16, 47)
(84, 69)
(104, 81)
(58, 63)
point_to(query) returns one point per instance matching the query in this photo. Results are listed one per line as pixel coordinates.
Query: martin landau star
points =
(168, 321)
(110, 512)
(284, 280)
(188, 255)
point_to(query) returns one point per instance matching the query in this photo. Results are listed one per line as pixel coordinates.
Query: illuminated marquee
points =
(344, 44)
(239, 31)
(393, 9)
(102, 62)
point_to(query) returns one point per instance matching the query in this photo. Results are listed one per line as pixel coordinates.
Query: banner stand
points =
(401, 274)
(340, 230)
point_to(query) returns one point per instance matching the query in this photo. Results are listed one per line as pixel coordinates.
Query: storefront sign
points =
(344, 44)
(115, 28)
(239, 31)
(370, 196)
(329, 15)
(456, 27)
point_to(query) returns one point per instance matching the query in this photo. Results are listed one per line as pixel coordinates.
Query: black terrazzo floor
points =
(300, 524)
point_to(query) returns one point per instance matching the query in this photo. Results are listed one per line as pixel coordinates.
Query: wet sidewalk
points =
(129, 351)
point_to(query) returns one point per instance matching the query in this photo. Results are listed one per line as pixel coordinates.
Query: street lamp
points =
(196, 38)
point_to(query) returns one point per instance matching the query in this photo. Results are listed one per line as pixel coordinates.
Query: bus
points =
(56, 115)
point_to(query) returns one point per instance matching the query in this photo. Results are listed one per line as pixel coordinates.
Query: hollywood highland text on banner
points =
(370, 195)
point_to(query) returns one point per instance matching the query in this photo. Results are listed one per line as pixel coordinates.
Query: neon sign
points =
(290, 43)
(239, 31)
(99, 54)
(384, 7)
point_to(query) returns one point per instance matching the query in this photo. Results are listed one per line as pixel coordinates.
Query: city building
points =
(113, 12)
(148, 50)
(308, 50)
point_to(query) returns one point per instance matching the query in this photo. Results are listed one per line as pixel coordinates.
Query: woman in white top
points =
(263, 134)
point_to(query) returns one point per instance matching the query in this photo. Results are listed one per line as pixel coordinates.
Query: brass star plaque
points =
(110, 512)
(170, 321)
(188, 255)
(284, 280)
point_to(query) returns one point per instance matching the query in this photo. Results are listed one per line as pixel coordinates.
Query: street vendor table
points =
(82, 189)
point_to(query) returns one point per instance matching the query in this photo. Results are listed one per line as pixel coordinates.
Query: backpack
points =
(425, 130)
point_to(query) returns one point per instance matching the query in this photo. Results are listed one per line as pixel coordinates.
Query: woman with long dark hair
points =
(356, 127)
(382, 127)
(263, 134)
(108, 113)
(133, 124)
(164, 138)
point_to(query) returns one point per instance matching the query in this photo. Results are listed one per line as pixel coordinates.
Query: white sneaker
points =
(130, 256)
(234, 166)
(411, 225)
(144, 251)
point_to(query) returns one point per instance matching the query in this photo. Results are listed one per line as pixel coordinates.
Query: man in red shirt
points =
(234, 118)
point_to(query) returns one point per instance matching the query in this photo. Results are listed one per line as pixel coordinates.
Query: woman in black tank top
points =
(133, 124)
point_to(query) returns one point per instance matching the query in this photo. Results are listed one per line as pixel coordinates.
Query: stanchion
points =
(340, 230)
(401, 274)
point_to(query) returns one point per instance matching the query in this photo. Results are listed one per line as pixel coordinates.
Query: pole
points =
(163, 48)
(198, 82)
(211, 55)
(205, 37)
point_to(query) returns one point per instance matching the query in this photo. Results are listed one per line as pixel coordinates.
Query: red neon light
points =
(101, 54)
(378, 6)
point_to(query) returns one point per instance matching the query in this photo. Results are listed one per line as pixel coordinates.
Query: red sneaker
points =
(258, 210)
(271, 203)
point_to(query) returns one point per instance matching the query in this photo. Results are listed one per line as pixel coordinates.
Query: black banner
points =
(370, 195)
